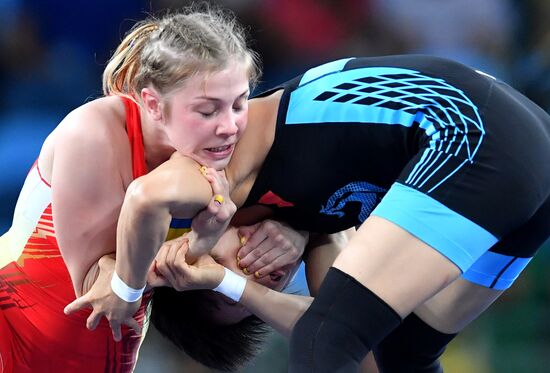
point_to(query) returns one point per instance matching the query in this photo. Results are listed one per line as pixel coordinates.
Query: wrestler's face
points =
(205, 117)
(225, 311)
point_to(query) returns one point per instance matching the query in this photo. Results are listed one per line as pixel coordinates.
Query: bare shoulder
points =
(103, 118)
(94, 133)
(97, 127)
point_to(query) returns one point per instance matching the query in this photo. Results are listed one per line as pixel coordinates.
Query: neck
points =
(155, 142)
(252, 148)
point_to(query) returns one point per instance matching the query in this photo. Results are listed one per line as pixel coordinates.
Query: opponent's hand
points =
(268, 246)
(171, 269)
(104, 302)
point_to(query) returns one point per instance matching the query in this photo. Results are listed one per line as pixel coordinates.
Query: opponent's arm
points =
(280, 310)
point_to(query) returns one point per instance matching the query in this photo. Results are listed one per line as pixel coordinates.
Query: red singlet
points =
(35, 334)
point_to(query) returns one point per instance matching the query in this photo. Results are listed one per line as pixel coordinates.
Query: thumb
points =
(76, 305)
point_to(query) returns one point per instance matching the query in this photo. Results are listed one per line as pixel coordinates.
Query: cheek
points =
(242, 120)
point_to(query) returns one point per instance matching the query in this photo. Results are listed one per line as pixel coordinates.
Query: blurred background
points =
(52, 54)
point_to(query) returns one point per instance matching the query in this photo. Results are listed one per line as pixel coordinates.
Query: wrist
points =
(125, 292)
(232, 285)
(198, 245)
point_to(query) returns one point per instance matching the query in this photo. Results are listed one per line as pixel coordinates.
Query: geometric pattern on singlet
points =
(445, 113)
(360, 191)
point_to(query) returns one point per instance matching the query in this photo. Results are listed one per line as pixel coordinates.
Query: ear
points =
(152, 103)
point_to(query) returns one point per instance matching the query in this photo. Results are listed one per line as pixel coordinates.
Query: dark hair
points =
(181, 317)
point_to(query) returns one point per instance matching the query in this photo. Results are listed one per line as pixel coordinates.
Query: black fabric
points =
(347, 131)
(342, 324)
(413, 346)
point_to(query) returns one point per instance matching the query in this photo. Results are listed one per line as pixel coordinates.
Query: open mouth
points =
(219, 149)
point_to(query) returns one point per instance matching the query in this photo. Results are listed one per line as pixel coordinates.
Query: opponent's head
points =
(210, 327)
(191, 71)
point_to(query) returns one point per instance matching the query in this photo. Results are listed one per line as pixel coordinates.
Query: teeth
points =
(219, 149)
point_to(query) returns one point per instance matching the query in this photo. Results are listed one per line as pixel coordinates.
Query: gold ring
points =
(219, 198)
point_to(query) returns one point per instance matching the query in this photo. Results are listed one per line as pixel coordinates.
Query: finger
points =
(258, 252)
(171, 255)
(117, 334)
(215, 206)
(218, 183)
(77, 304)
(245, 232)
(181, 266)
(274, 265)
(163, 266)
(93, 320)
(268, 258)
(134, 325)
(253, 241)
(215, 180)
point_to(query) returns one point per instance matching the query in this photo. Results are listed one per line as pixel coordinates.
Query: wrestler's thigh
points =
(454, 307)
(395, 265)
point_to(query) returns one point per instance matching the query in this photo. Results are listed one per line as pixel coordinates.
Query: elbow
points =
(143, 205)
(139, 197)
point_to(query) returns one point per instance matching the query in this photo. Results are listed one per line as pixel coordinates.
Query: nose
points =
(228, 124)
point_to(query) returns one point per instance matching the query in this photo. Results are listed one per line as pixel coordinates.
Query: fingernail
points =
(257, 274)
(218, 198)
(245, 270)
(203, 170)
(242, 239)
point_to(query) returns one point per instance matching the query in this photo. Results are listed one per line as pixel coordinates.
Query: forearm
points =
(90, 278)
(142, 228)
(279, 310)
(199, 245)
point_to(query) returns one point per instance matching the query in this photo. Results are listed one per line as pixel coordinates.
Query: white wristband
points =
(123, 291)
(232, 285)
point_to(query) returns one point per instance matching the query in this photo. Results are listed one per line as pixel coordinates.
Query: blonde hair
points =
(164, 52)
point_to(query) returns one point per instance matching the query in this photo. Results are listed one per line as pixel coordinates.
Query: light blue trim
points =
(458, 238)
(303, 108)
(486, 271)
(327, 68)
(298, 283)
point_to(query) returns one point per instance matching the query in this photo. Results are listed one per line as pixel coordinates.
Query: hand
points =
(171, 269)
(104, 302)
(208, 226)
(269, 245)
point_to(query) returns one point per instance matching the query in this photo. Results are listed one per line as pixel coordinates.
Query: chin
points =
(218, 164)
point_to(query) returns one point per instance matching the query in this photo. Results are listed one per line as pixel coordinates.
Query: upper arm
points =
(87, 190)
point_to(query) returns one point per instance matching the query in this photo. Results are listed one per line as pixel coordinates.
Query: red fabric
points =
(35, 334)
(133, 126)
